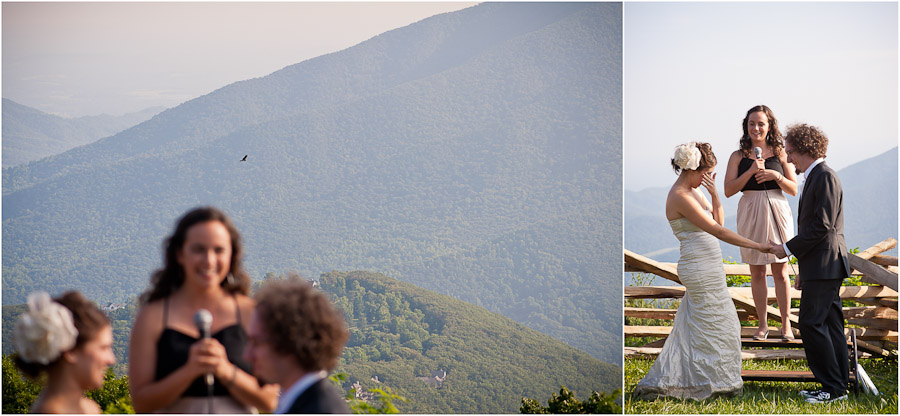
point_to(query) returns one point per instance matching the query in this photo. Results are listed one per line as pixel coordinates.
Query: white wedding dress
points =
(702, 355)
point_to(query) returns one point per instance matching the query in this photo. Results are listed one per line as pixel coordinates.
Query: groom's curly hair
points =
(807, 140)
(301, 322)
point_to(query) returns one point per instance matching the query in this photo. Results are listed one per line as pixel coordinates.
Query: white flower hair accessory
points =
(45, 331)
(687, 156)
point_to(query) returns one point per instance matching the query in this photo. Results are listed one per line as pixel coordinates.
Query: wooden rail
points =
(759, 354)
(871, 253)
(876, 325)
(879, 248)
(850, 313)
(748, 331)
(846, 292)
(791, 376)
(874, 273)
(664, 270)
(884, 260)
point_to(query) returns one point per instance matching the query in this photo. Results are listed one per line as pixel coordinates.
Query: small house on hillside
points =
(436, 380)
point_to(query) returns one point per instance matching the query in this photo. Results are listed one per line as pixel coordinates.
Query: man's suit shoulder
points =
(320, 398)
(824, 173)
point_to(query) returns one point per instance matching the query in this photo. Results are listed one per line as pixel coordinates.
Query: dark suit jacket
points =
(819, 245)
(321, 397)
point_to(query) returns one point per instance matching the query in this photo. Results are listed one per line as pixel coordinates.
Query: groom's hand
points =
(778, 251)
(797, 284)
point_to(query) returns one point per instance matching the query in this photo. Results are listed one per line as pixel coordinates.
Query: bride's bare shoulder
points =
(89, 406)
(675, 202)
(677, 193)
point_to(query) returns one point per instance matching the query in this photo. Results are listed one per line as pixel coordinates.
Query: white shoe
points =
(809, 393)
(826, 397)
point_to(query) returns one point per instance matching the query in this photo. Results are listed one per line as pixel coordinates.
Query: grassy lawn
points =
(770, 397)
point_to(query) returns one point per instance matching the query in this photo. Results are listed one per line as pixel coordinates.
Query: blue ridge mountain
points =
(474, 153)
(30, 134)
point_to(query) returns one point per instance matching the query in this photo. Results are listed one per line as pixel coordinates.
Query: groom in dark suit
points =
(295, 337)
(822, 255)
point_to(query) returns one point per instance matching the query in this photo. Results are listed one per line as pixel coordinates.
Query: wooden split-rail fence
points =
(874, 326)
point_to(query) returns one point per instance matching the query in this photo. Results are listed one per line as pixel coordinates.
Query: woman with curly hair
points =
(763, 212)
(70, 340)
(702, 355)
(169, 359)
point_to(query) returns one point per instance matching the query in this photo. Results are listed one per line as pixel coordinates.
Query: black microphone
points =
(203, 319)
(758, 151)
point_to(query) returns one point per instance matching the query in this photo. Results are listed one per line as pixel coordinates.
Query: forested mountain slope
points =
(474, 153)
(485, 362)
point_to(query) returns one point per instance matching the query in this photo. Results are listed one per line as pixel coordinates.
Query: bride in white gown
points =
(702, 354)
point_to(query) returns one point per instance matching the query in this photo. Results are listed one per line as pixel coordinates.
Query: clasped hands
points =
(208, 356)
(772, 248)
(777, 250)
(764, 175)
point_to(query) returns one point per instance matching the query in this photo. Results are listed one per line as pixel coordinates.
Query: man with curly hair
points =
(295, 338)
(822, 255)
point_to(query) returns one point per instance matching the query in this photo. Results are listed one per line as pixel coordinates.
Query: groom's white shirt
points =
(803, 187)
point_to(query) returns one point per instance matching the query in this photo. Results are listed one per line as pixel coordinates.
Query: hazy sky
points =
(692, 70)
(76, 59)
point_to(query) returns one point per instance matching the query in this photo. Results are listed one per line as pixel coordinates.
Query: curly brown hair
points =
(773, 138)
(88, 319)
(168, 279)
(807, 140)
(308, 327)
(707, 158)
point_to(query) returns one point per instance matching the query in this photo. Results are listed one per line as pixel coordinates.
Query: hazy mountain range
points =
(30, 134)
(461, 153)
(870, 211)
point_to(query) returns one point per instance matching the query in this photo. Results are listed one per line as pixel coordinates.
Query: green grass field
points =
(771, 397)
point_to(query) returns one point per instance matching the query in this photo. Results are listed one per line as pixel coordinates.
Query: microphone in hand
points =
(203, 319)
(760, 164)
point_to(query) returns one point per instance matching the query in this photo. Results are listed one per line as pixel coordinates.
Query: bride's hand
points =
(765, 248)
(709, 182)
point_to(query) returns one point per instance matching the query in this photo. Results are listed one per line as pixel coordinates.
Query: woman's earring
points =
(230, 279)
